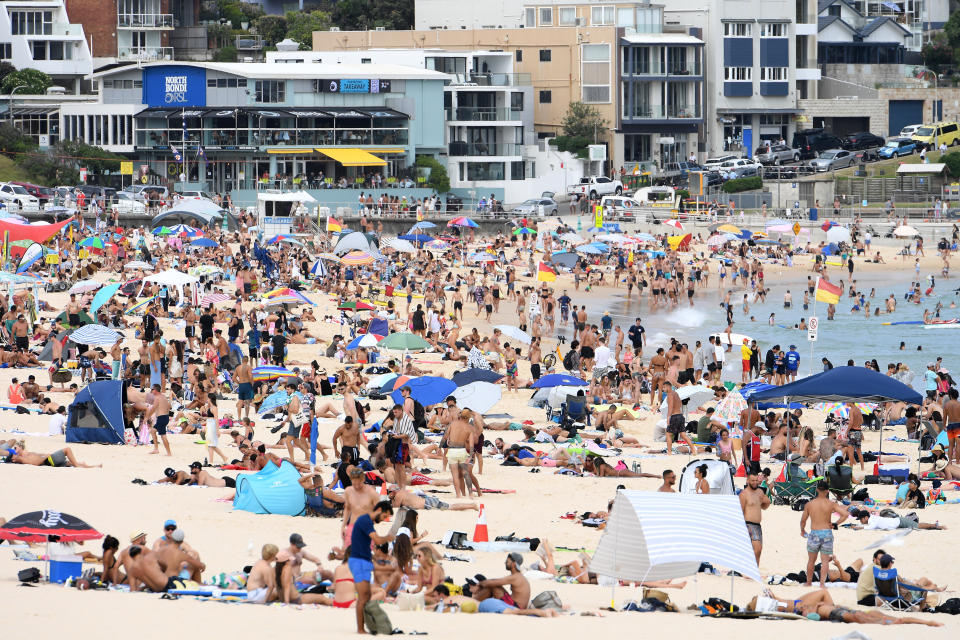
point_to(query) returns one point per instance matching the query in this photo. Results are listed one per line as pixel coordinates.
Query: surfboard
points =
(735, 338)
(900, 322)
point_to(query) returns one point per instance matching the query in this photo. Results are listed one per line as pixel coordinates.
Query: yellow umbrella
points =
(729, 228)
(357, 258)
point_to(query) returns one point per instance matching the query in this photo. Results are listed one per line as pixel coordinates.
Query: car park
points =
(43, 194)
(127, 202)
(541, 206)
(897, 147)
(933, 135)
(739, 168)
(712, 164)
(833, 159)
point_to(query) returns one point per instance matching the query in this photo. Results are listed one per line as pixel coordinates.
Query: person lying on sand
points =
(600, 468)
(174, 477)
(418, 500)
(59, 458)
(578, 569)
(820, 603)
(202, 478)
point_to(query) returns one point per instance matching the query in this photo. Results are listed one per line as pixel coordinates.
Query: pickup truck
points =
(595, 186)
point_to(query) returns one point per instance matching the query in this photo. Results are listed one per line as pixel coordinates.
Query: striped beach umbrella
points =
(85, 285)
(267, 373)
(366, 340)
(140, 307)
(214, 298)
(463, 221)
(357, 258)
(95, 335)
(437, 245)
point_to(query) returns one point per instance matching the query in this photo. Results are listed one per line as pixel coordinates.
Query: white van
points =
(909, 131)
(622, 208)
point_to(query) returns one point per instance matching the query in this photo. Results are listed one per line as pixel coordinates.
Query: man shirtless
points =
(676, 427)
(820, 539)
(669, 479)
(951, 424)
(174, 559)
(160, 410)
(60, 458)
(348, 434)
(243, 376)
(460, 438)
(358, 499)
(262, 581)
(144, 570)
(419, 500)
(287, 571)
(493, 595)
(201, 478)
(753, 501)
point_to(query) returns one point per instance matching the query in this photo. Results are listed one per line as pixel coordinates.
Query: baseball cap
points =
(761, 424)
(516, 557)
(170, 523)
(169, 472)
(177, 536)
(297, 540)
(886, 559)
(793, 346)
(930, 365)
(136, 534)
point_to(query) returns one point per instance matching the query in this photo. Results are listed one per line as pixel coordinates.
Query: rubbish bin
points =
(813, 213)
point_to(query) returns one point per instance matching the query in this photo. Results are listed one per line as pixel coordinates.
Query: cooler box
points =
(896, 470)
(62, 568)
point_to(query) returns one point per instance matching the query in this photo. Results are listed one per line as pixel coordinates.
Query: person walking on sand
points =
(160, 410)
(753, 501)
(363, 536)
(675, 423)
(819, 512)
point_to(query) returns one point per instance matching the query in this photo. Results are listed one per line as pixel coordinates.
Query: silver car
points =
(777, 154)
(833, 159)
(537, 207)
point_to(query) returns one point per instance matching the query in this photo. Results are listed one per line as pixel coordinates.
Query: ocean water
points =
(848, 336)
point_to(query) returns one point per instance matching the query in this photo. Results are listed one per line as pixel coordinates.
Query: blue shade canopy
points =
(843, 384)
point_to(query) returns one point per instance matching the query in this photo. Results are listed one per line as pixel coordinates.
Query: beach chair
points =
(840, 478)
(574, 410)
(893, 594)
(795, 486)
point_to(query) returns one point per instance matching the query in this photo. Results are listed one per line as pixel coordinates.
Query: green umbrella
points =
(162, 231)
(524, 231)
(403, 342)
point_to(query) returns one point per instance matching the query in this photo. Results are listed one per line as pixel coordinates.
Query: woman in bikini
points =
(600, 468)
(725, 448)
(430, 573)
(700, 473)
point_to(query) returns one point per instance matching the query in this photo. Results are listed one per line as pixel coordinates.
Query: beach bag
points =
(376, 620)
(950, 605)
(29, 575)
(547, 600)
(568, 361)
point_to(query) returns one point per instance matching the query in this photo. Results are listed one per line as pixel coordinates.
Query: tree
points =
(438, 180)
(6, 69)
(14, 142)
(584, 121)
(74, 154)
(225, 54)
(34, 82)
(952, 160)
(302, 24)
(952, 29)
(360, 15)
(273, 29)
(938, 54)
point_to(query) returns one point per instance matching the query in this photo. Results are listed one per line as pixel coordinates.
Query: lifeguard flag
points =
(333, 225)
(826, 292)
(545, 273)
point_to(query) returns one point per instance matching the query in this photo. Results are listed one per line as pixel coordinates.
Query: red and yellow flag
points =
(333, 225)
(827, 292)
(545, 273)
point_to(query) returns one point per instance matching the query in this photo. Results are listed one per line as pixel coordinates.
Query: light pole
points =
(13, 91)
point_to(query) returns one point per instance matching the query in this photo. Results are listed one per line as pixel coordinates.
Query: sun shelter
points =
(719, 475)
(173, 279)
(659, 536)
(273, 489)
(96, 414)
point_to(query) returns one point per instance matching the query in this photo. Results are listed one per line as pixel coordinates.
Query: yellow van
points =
(933, 135)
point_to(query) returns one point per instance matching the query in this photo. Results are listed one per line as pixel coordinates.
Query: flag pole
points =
(810, 366)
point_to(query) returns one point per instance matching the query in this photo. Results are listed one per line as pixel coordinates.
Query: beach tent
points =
(273, 489)
(719, 475)
(659, 536)
(172, 279)
(842, 384)
(197, 212)
(46, 355)
(96, 414)
(85, 318)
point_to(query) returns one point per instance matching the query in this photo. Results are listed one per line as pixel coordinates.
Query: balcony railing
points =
(654, 68)
(483, 149)
(144, 53)
(659, 112)
(493, 79)
(482, 114)
(145, 20)
(272, 137)
(249, 43)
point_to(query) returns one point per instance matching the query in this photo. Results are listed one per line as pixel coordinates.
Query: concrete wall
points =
(875, 109)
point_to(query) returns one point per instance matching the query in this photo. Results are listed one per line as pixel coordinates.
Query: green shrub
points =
(743, 184)
(952, 160)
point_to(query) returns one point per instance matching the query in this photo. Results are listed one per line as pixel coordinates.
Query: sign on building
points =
(175, 86)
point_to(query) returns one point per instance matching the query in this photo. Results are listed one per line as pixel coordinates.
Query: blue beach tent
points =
(273, 489)
(96, 414)
(842, 384)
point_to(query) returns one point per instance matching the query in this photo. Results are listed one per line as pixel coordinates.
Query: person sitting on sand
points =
(177, 561)
(416, 499)
(492, 596)
(144, 570)
(262, 581)
(600, 468)
(59, 458)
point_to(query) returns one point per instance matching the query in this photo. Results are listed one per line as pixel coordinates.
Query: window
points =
(773, 74)
(545, 55)
(270, 91)
(738, 74)
(546, 97)
(546, 16)
(31, 23)
(221, 83)
(531, 18)
(626, 17)
(595, 73)
(38, 49)
(56, 50)
(365, 60)
(601, 15)
(5, 51)
(211, 83)
(773, 30)
(516, 101)
(518, 55)
(737, 29)
(516, 170)
(568, 16)
(232, 83)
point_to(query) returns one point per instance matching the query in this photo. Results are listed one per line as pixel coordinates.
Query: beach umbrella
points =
(103, 296)
(515, 333)
(95, 335)
(403, 246)
(365, 340)
(279, 291)
(353, 305)
(673, 223)
(729, 228)
(16, 278)
(184, 229)
(404, 342)
(202, 243)
(905, 231)
(419, 238)
(478, 396)
(291, 300)
(423, 224)
(139, 307)
(267, 373)
(92, 243)
(720, 239)
(357, 258)
(427, 390)
(693, 395)
(645, 237)
(286, 295)
(595, 248)
(318, 269)
(84, 286)
(395, 383)
(472, 375)
(377, 382)
(463, 221)
(841, 410)
(827, 224)
(329, 256)
(40, 526)
(437, 245)
(214, 298)
(138, 264)
(572, 238)
(204, 270)
(162, 231)
(615, 238)
(728, 410)
(838, 235)
(565, 259)
(524, 231)
(276, 399)
(558, 379)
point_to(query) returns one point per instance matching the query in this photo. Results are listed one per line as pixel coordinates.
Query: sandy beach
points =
(227, 540)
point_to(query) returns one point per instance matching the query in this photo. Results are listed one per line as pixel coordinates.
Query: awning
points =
(735, 110)
(278, 152)
(161, 112)
(386, 151)
(34, 111)
(352, 157)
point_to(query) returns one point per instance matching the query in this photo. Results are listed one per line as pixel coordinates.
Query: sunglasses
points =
(169, 528)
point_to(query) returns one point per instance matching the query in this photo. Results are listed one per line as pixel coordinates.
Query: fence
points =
(900, 189)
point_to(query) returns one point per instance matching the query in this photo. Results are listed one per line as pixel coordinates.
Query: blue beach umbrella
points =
(558, 380)
(427, 390)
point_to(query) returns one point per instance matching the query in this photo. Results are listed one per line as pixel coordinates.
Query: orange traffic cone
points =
(383, 488)
(480, 531)
(741, 471)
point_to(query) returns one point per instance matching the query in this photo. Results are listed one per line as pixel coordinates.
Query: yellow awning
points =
(386, 150)
(352, 157)
(289, 151)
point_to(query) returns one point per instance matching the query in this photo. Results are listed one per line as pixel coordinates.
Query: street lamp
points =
(13, 91)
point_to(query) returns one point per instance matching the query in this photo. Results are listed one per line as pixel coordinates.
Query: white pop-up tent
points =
(173, 279)
(659, 536)
(719, 475)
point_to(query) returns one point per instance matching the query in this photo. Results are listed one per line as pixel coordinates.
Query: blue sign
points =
(354, 86)
(175, 86)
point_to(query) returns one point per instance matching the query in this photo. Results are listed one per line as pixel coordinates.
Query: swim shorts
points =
(361, 569)
(493, 605)
(245, 391)
(433, 502)
(458, 454)
(161, 425)
(755, 531)
(676, 424)
(855, 438)
(820, 541)
(57, 459)
(258, 596)
(953, 430)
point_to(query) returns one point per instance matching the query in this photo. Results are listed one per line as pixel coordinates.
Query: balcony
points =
(655, 68)
(482, 114)
(140, 21)
(492, 79)
(249, 43)
(144, 54)
(482, 149)
(659, 112)
(149, 137)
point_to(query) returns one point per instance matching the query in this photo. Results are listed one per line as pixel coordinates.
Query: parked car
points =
(909, 130)
(811, 142)
(454, 202)
(107, 194)
(739, 168)
(43, 194)
(933, 135)
(777, 154)
(20, 198)
(594, 186)
(537, 207)
(677, 172)
(712, 164)
(833, 159)
(864, 140)
(127, 202)
(620, 206)
(897, 147)
(196, 195)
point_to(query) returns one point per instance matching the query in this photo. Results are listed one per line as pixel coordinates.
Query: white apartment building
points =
(37, 34)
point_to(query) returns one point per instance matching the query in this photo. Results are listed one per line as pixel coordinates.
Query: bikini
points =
(346, 604)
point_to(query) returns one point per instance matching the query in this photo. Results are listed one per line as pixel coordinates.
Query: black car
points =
(810, 142)
(864, 140)
(454, 203)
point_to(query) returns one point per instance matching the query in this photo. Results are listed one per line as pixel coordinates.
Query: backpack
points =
(568, 361)
(376, 620)
(951, 606)
(419, 415)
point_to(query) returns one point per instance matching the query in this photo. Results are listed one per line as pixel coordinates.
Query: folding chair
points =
(840, 478)
(895, 595)
(796, 485)
(574, 411)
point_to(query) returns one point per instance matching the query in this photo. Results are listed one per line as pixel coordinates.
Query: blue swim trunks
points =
(493, 605)
(361, 569)
(820, 541)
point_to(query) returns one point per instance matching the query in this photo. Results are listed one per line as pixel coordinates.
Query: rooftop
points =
(305, 71)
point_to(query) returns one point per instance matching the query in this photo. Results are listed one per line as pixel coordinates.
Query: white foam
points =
(688, 318)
